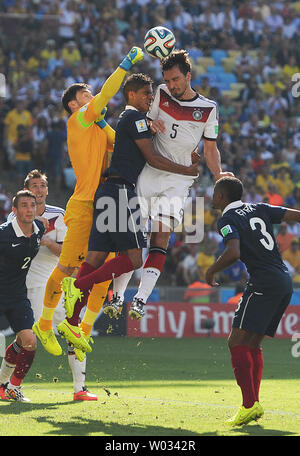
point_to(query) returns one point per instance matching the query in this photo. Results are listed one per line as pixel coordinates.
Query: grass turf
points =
(154, 387)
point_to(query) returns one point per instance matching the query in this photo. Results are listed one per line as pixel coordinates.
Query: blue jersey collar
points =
(233, 205)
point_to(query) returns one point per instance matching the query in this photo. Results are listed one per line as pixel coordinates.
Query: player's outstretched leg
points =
(47, 339)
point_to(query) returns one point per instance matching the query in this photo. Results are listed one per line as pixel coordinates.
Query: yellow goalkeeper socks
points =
(52, 296)
(94, 305)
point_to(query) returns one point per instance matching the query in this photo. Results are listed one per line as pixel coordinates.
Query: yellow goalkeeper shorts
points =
(78, 219)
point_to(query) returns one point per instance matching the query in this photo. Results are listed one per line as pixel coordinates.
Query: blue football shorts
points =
(117, 221)
(262, 307)
(18, 312)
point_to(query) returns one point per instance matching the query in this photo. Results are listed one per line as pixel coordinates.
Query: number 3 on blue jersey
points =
(267, 241)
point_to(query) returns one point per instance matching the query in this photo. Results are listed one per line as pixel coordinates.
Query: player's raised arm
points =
(213, 159)
(156, 160)
(292, 215)
(111, 86)
(110, 132)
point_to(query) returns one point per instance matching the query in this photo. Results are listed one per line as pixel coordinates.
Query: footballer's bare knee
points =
(160, 238)
(136, 258)
(27, 339)
(96, 259)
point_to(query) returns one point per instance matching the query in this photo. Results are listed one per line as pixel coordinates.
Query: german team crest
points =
(197, 114)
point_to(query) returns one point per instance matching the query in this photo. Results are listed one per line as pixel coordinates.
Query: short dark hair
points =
(22, 194)
(135, 82)
(70, 94)
(232, 187)
(179, 58)
(34, 174)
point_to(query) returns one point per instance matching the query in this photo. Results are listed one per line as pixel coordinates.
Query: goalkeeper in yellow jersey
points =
(87, 148)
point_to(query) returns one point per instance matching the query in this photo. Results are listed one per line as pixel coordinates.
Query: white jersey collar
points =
(233, 205)
(18, 231)
(130, 107)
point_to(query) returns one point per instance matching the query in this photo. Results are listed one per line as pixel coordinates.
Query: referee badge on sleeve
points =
(141, 125)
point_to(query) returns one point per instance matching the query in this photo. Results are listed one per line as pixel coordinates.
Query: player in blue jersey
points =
(247, 230)
(116, 226)
(19, 243)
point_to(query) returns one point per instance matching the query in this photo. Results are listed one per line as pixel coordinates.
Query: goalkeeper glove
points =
(135, 55)
(100, 121)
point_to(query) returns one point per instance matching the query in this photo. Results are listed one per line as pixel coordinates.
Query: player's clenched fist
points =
(135, 55)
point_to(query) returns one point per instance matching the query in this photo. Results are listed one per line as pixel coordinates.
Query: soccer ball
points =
(159, 42)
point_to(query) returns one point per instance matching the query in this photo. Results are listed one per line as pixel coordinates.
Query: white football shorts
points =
(36, 298)
(163, 195)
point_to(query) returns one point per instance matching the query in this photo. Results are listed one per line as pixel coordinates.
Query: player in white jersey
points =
(179, 118)
(42, 266)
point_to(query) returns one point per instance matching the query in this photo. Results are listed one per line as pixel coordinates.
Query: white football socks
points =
(148, 281)
(5, 371)
(120, 284)
(78, 369)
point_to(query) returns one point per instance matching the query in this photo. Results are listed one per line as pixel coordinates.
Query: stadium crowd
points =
(244, 56)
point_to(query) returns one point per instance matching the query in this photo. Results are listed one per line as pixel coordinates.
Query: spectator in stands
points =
(204, 88)
(70, 53)
(257, 161)
(283, 182)
(67, 20)
(284, 238)
(252, 194)
(206, 257)
(19, 115)
(273, 196)
(274, 20)
(294, 199)
(290, 151)
(23, 152)
(49, 51)
(292, 256)
(54, 144)
(187, 268)
(39, 133)
(5, 201)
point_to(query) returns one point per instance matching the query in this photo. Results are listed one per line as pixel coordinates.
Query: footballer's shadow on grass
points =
(258, 430)
(80, 426)
(10, 407)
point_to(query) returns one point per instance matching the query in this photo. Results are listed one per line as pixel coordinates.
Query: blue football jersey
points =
(16, 254)
(127, 159)
(253, 224)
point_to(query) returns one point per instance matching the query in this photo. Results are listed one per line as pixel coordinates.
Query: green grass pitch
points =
(154, 387)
